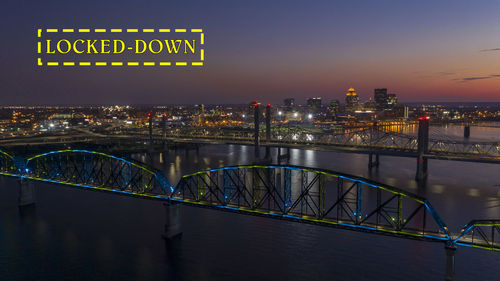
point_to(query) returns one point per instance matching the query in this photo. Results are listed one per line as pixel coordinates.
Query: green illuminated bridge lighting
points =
(300, 194)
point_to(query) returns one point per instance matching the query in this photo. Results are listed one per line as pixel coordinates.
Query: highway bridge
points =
(300, 194)
(359, 140)
(373, 141)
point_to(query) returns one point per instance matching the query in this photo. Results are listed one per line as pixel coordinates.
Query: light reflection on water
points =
(479, 132)
(83, 235)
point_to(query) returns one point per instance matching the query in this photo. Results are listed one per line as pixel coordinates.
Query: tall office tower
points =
(351, 100)
(380, 97)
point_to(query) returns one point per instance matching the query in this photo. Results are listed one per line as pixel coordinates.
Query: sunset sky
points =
(266, 50)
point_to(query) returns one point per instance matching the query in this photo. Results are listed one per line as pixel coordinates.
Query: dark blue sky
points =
(266, 50)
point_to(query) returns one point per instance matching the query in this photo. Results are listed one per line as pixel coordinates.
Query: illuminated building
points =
(334, 108)
(351, 100)
(392, 100)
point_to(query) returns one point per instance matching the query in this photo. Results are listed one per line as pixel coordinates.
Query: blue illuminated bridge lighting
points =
(295, 193)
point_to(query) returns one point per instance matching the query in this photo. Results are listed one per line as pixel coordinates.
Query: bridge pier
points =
(268, 122)
(422, 148)
(172, 222)
(422, 163)
(467, 131)
(26, 193)
(268, 132)
(285, 156)
(372, 163)
(268, 156)
(450, 261)
(256, 121)
(150, 125)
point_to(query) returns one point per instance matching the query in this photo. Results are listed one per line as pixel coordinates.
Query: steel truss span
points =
(480, 234)
(96, 170)
(7, 163)
(295, 193)
(376, 139)
(315, 196)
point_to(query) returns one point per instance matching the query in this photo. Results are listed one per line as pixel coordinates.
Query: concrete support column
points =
(285, 156)
(150, 116)
(172, 222)
(467, 131)
(256, 120)
(371, 162)
(278, 155)
(268, 131)
(422, 148)
(450, 262)
(422, 163)
(268, 156)
(268, 122)
(26, 193)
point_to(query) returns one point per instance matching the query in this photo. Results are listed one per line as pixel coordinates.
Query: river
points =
(75, 234)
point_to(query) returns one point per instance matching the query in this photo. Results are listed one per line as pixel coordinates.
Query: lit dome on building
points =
(351, 92)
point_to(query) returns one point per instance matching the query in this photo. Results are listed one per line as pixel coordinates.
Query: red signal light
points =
(149, 114)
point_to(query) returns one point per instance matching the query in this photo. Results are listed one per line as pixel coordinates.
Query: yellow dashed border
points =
(119, 63)
(131, 30)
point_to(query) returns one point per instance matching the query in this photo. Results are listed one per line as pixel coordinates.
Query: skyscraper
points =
(351, 100)
(380, 97)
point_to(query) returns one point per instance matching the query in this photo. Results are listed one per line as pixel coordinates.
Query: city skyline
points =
(249, 140)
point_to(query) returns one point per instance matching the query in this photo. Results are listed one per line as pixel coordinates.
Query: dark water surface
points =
(74, 234)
